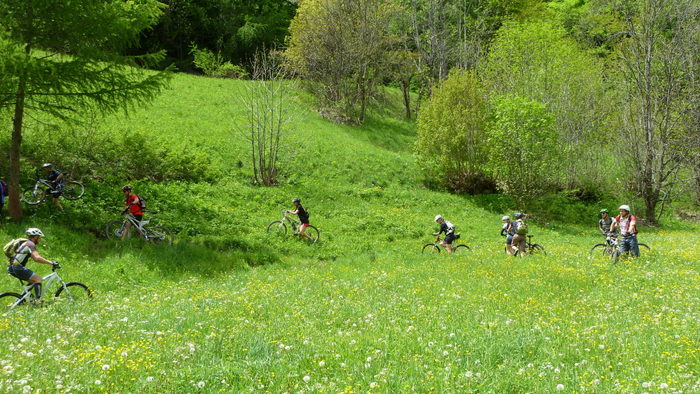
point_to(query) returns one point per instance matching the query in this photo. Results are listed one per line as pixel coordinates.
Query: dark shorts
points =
(509, 239)
(449, 239)
(138, 217)
(19, 271)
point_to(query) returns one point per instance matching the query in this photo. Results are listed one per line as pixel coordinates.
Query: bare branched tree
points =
(268, 101)
(657, 96)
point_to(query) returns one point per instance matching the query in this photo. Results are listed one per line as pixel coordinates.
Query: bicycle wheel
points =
(159, 234)
(33, 195)
(313, 233)
(74, 291)
(430, 248)
(537, 249)
(599, 249)
(115, 229)
(9, 300)
(73, 190)
(645, 246)
(277, 227)
(461, 249)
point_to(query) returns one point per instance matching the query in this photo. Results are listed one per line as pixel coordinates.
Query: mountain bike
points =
(36, 194)
(74, 291)
(531, 248)
(611, 248)
(435, 247)
(280, 227)
(155, 234)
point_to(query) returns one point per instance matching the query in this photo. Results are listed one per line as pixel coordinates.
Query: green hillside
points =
(230, 308)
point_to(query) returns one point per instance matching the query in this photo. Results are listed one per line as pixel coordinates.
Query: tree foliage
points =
(235, 29)
(523, 149)
(61, 59)
(535, 60)
(451, 141)
(341, 47)
(656, 102)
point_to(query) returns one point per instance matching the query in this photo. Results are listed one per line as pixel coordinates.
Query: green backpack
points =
(522, 227)
(12, 247)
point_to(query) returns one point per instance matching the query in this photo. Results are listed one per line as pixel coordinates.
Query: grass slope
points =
(362, 310)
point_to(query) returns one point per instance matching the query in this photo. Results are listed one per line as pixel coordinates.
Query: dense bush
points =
(213, 64)
(524, 155)
(88, 153)
(451, 135)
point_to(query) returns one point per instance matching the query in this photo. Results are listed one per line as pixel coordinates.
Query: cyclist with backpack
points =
(508, 231)
(449, 230)
(303, 217)
(134, 205)
(19, 251)
(520, 231)
(605, 222)
(55, 177)
(628, 229)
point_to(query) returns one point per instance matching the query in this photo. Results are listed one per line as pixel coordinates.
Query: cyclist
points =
(508, 230)
(519, 232)
(604, 222)
(449, 230)
(134, 206)
(17, 264)
(628, 229)
(303, 217)
(55, 178)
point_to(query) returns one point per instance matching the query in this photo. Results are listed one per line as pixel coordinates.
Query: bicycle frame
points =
(136, 223)
(292, 222)
(47, 281)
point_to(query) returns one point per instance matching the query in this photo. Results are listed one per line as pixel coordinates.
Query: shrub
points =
(451, 135)
(524, 155)
(213, 64)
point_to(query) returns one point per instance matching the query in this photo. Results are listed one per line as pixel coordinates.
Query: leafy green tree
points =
(342, 47)
(236, 29)
(451, 135)
(537, 61)
(524, 154)
(62, 58)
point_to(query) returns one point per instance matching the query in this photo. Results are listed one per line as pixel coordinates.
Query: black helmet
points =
(518, 215)
(47, 165)
(126, 188)
(297, 200)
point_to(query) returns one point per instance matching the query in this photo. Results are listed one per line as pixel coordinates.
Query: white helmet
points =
(31, 232)
(625, 207)
(505, 218)
(438, 217)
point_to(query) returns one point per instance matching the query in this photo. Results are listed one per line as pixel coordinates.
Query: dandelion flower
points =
(105, 367)
(373, 385)
(646, 385)
(663, 386)
(201, 384)
(321, 363)
(307, 379)
(98, 382)
(560, 387)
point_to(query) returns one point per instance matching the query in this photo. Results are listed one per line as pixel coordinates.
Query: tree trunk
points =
(13, 206)
(406, 88)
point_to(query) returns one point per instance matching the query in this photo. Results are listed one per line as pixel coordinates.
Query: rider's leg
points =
(634, 246)
(36, 281)
(126, 230)
(509, 244)
(57, 203)
(302, 231)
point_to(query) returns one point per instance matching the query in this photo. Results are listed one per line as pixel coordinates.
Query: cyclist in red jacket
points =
(133, 205)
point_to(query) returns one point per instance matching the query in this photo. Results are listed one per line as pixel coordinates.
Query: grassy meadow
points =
(229, 308)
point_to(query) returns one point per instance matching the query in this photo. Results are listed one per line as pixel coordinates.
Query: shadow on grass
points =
(385, 132)
(201, 257)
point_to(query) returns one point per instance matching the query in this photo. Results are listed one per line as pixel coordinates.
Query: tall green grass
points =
(231, 308)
